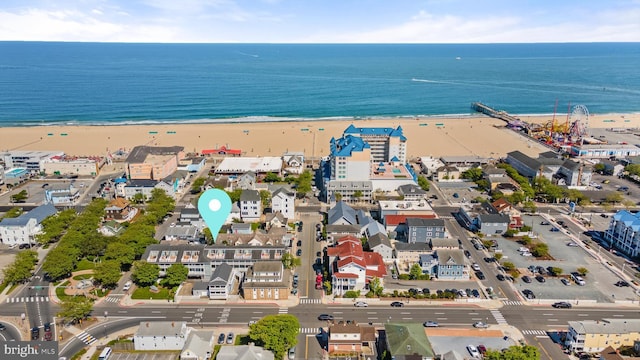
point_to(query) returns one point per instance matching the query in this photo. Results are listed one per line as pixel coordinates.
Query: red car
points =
(482, 349)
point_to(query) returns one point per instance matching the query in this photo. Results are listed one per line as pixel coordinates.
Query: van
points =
(126, 286)
(578, 279)
(104, 355)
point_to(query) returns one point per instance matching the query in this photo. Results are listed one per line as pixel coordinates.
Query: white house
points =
(250, 205)
(24, 228)
(161, 335)
(199, 345)
(283, 200)
(145, 187)
(293, 162)
(61, 194)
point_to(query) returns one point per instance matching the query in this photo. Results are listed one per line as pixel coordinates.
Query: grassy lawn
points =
(60, 290)
(145, 294)
(99, 293)
(3, 286)
(242, 340)
(13, 287)
(83, 277)
(85, 264)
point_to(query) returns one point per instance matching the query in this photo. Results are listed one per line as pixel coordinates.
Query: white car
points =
(473, 351)
(480, 325)
(475, 267)
(360, 304)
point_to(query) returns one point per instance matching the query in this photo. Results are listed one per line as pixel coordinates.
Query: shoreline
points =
(275, 119)
(469, 135)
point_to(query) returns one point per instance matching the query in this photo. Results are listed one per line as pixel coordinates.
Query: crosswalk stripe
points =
(499, 317)
(28, 299)
(86, 338)
(283, 310)
(534, 332)
(308, 330)
(310, 301)
(512, 302)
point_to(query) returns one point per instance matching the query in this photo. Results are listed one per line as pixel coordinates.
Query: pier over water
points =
(498, 114)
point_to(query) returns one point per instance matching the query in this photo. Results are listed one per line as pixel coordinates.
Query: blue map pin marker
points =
(214, 206)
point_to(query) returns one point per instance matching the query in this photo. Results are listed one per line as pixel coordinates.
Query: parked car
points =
(554, 229)
(545, 223)
(473, 351)
(565, 282)
(35, 333)
(621, 284)
(299, 252)
(221, 338)
(480, 325)
(500, 277)
(528, 294)
(430, 324)
(482, 349)
(475, 267)
(2, 327)
(526, 279)
(325, 317)
(397, 304)
(230, 338)
(540, 278)
(360, 304)
(561, 305)
(292, 353)
(48, 334)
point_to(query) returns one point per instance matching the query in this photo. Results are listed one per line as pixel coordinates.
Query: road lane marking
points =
(405, 313)
(552, 319)
(373, 318)
(257, 312)
(547, 314)
(337, 312)
(439, 313)
(372, 312)
(583, 314)
(474, 313)
(186, 317)
(122, 311)
(407, 318)
(442, 318)
(189, 312)
(156, 312)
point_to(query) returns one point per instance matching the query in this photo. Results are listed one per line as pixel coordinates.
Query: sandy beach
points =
(433, 136)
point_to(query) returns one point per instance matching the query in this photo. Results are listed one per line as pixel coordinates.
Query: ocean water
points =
(45, 83)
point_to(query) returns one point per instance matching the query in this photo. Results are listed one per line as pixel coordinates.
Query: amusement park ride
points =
(561, 135)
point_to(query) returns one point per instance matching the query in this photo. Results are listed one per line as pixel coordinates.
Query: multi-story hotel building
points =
(624, 233)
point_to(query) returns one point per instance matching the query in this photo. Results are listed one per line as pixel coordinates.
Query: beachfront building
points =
(29, 160)
(293, 162)
(364, 160)
(15, 176)
(72, 166)
(259, 165)
(24, 228)
(222, 151)
(283, 201)
(593, 336)
(192, 164)
(604, 151)
(550, 166)
(624, 233)
(250, 205)
(429, 165)
(153, 162)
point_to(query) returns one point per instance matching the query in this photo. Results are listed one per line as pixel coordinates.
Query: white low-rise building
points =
(161, 335)
(24, 228)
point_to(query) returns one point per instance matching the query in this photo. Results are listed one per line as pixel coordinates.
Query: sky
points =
(321, 21)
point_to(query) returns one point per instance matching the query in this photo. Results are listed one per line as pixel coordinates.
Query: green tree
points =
(423, 183)
(530, 206)
(55, 226)
(277, 333)
(473, 174)
(555, 271)
(633, 169)
(20, 197)
(271, 178)
(138, 198)
(540, 250)
(60, 261)
(235, 195)
(497, 256)
(303, 185)
(375, 286)
(122, 253)
(13, 213)
(508, 266)
(614, 197)
(599, 168)
(76, 308)
(176, 274)
(144, 273)
(197, 184)
(338, 196)
(107, 273)
(554, 192)
(289, 261)
(20, 269)
(208, 237)
(525, 352)
(265, 197)
(415, 271)
(357, 195)
(582, 271)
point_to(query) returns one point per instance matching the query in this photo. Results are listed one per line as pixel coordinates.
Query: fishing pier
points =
(498, 114)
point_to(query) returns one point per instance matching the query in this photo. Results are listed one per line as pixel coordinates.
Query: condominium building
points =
(593, 336)
(624, 233)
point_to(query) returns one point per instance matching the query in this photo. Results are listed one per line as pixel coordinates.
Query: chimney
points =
(147, 324)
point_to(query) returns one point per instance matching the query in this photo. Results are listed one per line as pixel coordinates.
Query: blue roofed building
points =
(623, 233)
(364, 160)
(24, 228)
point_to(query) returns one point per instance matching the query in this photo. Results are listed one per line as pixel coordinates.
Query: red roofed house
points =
(352, 267)
(223, 150)
(398, 223)
(505, 207)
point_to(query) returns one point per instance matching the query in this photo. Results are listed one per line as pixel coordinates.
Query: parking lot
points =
(142, 356)
(442, 344)
(599, 280)
(36, 189)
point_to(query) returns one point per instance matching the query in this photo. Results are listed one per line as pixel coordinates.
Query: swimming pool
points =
(396, 171)
(15, 172)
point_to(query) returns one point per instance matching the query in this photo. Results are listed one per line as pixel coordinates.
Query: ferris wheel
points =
(579, 119)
